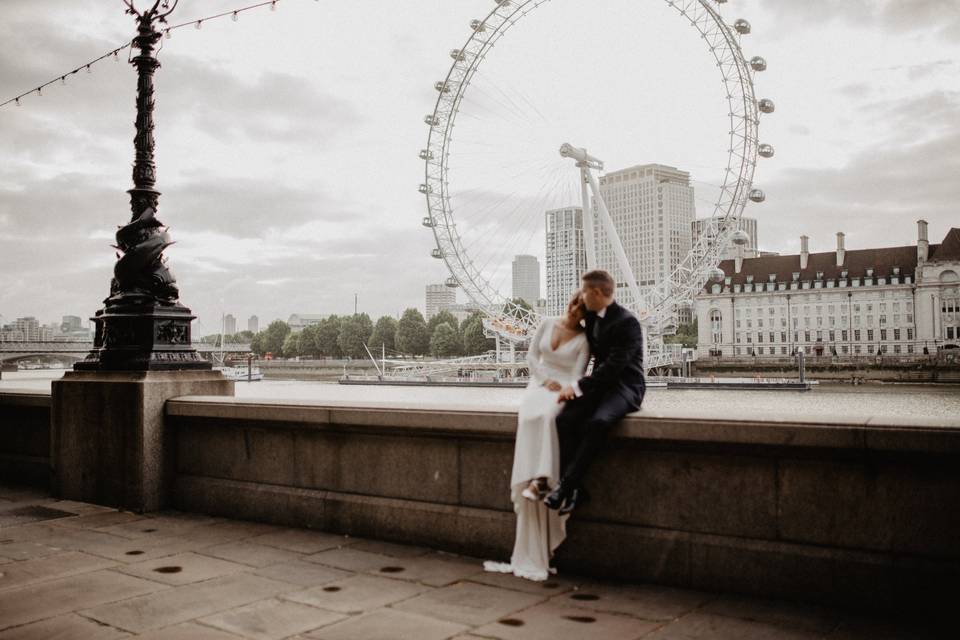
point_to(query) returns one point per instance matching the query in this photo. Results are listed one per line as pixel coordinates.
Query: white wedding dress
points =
(537, 452)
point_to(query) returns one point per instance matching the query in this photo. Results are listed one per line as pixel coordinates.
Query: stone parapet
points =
(25, 437)
(854, 512)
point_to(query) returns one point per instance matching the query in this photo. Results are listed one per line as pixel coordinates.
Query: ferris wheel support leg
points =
(588, 240)
(625, 270)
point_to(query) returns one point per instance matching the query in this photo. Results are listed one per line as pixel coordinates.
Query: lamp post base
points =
(142, 335)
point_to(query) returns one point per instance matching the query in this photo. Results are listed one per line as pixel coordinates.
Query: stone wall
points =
(859, 513)
(25, 438)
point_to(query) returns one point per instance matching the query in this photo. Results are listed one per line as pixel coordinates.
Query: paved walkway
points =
(79, 571)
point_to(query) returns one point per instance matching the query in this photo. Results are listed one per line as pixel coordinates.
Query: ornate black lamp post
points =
(143, 326)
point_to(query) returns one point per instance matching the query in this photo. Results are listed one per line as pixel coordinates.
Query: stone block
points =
(65, 627)
(357, 594)
(109, 444)
(485, 468)
(271, 619)
(874, 503)
(388, 624)
(469, 603)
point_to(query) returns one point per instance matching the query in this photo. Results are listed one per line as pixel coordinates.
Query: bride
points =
(558, 356)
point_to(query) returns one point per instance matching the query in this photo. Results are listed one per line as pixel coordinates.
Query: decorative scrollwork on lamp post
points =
(143, 326)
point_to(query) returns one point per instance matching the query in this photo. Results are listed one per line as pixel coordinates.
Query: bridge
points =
(73, 351)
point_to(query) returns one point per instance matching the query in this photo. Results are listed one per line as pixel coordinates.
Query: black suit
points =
(613, 389)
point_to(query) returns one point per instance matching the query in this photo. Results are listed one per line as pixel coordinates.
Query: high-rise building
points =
(526, 279)
(229, 324)
(253, 324)
(28, 327)
(566, 256)
(652, 207)
(438, 297)
(702, 226)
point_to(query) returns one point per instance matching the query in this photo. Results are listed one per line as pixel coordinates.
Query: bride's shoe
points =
(536, 490)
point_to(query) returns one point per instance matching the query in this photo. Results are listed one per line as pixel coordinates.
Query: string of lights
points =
(115, 53)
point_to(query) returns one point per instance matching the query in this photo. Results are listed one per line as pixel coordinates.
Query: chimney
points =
(841, 251)
(738, 263)
(923, 245)
(804, 251)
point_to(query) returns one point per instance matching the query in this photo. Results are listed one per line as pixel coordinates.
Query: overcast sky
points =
(287, 142)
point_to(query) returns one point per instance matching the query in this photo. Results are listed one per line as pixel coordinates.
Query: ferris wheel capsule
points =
(437, 253)
(452, 282)
(502, 3)
(429, 222)
(716, 275)
(742, 26)
(431, 120)
(478, 26)
(441, 86)
(740, 238)
(426, 154)
(757, 195)
(426, 189)
(765, 150)
(766, 105)
(457, 55)
(757, 63)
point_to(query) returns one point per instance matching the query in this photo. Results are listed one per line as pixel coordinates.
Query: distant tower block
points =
(526, 279)
(566, 256)
(229, 324)
(439, 297)
(253, 324)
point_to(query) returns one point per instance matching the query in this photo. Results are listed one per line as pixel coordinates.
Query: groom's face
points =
(594, 299)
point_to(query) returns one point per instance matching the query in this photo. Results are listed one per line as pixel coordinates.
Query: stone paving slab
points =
(391, 549)
(469, 603)
(48, 599)
(188, 631)
(548, 588)
(171, 524)
(272, 619)
(791, 615)
(249, 553)
(434, 569)
(183, 568)
(59, 565)
(552, 620)
(649, 602)
(357, 594)
(65, 627)
(705, 626)
(186, 603)
(300, 572)
(301, 540)
(388, 624)
(98, 520)
(351, 559)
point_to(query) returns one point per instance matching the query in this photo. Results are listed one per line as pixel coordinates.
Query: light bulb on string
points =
(16, 101)
(88, 69)
(199, 23)
(40, 91)
(234, 17)
(116, 58)
(63, 79)
(273, 5)
(167, 33)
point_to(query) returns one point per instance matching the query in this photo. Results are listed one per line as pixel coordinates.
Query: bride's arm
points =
(583, 357)
(533, 353)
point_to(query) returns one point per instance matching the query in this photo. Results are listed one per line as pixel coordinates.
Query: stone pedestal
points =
(108, 441)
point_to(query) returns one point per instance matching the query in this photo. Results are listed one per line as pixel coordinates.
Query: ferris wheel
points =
(658, 305)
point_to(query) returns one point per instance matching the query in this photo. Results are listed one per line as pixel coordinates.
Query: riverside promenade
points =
(79, 571)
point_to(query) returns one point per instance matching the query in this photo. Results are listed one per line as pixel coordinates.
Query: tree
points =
(412, 338)
(256, 343)
(520, 302)
(474, 341)
(384, 334)
(308, 341)
(444, 342)
(354, 334)
(241, 337)
(291, 345)
(686, 335)
(440, 318)
(326, 337)
(274, 335)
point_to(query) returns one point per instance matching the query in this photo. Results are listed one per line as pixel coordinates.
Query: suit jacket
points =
(617, 348)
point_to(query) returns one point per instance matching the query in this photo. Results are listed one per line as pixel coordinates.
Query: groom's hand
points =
(566, 394)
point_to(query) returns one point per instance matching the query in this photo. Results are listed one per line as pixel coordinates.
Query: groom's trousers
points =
(582, 428)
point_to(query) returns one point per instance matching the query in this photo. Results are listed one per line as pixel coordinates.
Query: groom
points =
(597, 402)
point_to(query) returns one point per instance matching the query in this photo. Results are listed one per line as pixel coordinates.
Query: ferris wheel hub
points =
(580, 154)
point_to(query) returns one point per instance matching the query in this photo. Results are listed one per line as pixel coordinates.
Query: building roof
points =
(855, 263)
(949, 249)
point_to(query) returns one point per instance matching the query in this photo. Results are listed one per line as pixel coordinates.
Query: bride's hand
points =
(553, 385)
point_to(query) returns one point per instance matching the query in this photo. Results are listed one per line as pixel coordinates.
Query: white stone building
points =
(439, 297)
(526, 279)
(229, 324)
(299, 321)
(566, 256)
(892, 301)
(253, 324)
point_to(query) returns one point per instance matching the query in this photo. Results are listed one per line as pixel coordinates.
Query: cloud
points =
(937, 17)
(878, 195)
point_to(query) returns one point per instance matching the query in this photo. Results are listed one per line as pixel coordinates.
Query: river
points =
(825, 400)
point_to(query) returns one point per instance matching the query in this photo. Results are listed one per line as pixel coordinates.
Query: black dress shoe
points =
(577, 497)
(556, 498)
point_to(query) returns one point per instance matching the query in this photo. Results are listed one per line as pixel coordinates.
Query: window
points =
(716, 326)
(883, 319)
(738, 324)
(869, 335)
(759, 336)
(772, 337)
(896, 334)
(783, 336)
(883, 334)
(845, 349)
(896, 348)
(909, 318)
(844, 335)
(806, 336)
(856, 335)
(833, 337)
(909, 333)
(909, 348)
